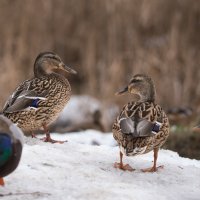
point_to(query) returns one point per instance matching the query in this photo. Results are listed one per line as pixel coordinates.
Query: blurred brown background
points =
(106, 42)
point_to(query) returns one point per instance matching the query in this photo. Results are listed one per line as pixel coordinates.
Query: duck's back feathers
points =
(140, 127)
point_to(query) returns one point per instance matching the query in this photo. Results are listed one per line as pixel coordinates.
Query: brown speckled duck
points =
(37, 102)
(142, 125)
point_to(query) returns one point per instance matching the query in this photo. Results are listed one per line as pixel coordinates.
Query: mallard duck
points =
(37, 102)
(142, 125)
(11, 143)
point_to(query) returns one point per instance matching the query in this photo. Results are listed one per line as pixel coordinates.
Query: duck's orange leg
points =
(120, 165)
(33, 135)
(48, 136)
(2, 182)
(154, 168)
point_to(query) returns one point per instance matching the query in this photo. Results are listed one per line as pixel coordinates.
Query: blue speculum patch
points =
(156, 128)
(5, 148)
(35, 103)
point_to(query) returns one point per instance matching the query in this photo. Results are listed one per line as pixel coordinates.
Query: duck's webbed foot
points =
(120, 165)
(33, 135)
(152, 169)
(49, 139)
(125, 167)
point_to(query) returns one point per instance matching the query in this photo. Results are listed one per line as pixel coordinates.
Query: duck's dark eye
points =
(56, 58)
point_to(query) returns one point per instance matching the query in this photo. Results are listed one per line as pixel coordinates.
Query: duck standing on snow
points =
(11, 142)
(37, 102)
(142, 125)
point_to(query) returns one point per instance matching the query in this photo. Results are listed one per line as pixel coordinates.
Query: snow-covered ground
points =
(85, 112)
(79, 170)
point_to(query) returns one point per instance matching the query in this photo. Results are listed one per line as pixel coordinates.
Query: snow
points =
(85, 112)
(79, 170)
(78, 104)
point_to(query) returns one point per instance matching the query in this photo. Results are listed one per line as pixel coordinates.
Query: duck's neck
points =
(148, 95)
(145, 99)
(39, 72)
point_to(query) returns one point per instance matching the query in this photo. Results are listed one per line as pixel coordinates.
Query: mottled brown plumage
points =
(142, 108)
(37, 102)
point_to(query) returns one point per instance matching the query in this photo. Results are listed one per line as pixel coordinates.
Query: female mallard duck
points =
(37, 102)
(142, 125)
(11, 142)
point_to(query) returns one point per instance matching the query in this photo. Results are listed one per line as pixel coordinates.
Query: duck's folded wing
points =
(22, 87)
(127, 125)
(141, 128)
(23, 98)
(146, 128)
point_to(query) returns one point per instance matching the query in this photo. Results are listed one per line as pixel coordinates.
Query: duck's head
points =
(11, 143)
(49, 62)
(142, 87)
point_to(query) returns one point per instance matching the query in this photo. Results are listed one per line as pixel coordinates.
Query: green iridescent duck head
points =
(5, 147)
(49, 62)
(141, 87)
(11, 143)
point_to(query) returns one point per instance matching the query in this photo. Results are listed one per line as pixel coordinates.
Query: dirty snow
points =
(79, 170)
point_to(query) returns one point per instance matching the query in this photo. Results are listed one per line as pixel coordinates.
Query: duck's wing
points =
(141, 120)
(142, 128)
(24, 97)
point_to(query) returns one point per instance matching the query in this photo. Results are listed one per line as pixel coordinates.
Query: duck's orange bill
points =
(2, 182)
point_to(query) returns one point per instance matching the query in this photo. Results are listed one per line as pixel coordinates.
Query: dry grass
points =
(106, 42)
(184, 142)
